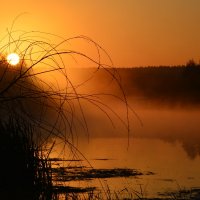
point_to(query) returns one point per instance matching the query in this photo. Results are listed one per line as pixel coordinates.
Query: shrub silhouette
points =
(34, 113)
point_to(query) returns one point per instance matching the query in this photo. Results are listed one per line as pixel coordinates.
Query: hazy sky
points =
(134, 32)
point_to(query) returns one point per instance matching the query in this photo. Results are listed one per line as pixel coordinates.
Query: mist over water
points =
(168, 124)
(162, 115)
(157, 115)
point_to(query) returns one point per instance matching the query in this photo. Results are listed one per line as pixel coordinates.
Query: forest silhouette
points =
(164, 84)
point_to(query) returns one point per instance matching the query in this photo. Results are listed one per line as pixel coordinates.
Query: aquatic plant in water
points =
(40, 104)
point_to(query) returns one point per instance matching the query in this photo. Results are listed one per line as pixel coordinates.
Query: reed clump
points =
(25, 173)
(34, 113)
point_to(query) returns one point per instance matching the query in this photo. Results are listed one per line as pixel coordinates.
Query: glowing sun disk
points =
(13, 59)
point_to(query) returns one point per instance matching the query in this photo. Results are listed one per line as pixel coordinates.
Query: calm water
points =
(168, 144)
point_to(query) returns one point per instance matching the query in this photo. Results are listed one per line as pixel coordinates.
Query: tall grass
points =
(25, 173)
(34, 113)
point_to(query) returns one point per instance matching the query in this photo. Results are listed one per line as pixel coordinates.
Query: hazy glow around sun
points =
(13, 59)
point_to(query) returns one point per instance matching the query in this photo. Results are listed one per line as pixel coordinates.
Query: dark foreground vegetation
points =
(24, 171)
(35, 114)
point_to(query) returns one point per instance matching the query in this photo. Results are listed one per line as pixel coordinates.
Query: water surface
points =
(167, 144)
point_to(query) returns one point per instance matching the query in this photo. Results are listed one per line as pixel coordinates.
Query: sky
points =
(133, 32)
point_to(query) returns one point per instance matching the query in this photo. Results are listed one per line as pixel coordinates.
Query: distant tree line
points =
(164, 83)
(192, 63)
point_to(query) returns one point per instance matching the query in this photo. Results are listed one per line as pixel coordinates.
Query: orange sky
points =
(134, 32)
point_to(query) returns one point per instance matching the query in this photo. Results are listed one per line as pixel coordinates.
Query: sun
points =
(13, 58)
